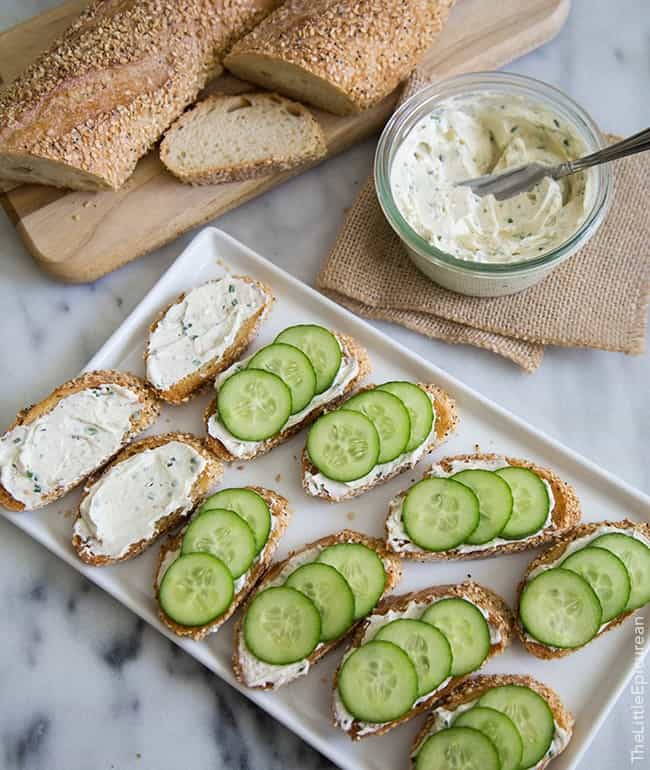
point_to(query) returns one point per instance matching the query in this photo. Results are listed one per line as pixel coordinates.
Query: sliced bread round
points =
(231, 138)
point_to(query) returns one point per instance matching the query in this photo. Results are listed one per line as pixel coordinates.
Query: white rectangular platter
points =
(588, 681)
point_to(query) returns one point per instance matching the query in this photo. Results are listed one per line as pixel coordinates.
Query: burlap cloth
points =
(596, 299)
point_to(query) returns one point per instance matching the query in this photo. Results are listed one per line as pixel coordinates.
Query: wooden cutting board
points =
(78, 237)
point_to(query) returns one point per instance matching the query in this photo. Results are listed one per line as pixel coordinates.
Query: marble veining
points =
(84, 684)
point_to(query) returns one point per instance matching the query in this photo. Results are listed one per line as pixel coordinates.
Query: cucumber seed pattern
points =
(344, 442)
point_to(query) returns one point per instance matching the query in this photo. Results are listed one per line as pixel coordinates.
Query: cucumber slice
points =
(224, 534)
(196, 589)
(460, 748)
(282, 626)
(439, 514)
(427, 648)
(331, 594)
(529, 713)
(606, 574)
(494, 501)
(247, 504)
(378, 682)
(500, 729)
(343, 445)
(466, 630)
(560, 609)
(635, 555)
(530, 502)
(320, 346)
(253, 404)
(418, 405)
(294, 369)
(389, 416)
(363, 570)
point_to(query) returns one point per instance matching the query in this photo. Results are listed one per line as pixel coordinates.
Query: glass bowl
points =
(486, 279)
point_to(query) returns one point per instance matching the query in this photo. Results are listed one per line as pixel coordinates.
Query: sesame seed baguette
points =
(343, 56)
(349, 346)
(555, 552)
(498, 614)
(190, 385)
(147, 415)
(565, 515)
(446, 421)
(232, 138)
(393, 576)
(280, 513)
(86, 549)
(88, 108)
(474, 688)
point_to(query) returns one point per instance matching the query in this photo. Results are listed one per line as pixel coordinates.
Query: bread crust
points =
(181, 391)
(499, 615)
(543, 651)
(477, 686)
(393, 575)
(281, 513)
(354, 349)
(242, 171)
(445, 425)
(209, 476)
(148, 415)
(565, 514)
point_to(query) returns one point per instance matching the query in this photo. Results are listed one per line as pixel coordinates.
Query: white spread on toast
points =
(317, 483)
(200, 328)
(444, 718)
(414, 610)
(398, 539)
(348, 370)
(58, 449)
(126, 503)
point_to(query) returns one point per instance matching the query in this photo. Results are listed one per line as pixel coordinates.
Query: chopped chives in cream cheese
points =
(67, 443)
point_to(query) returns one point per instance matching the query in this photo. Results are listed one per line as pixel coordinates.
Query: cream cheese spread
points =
(398, 539)
(467, 137)
(61, 447)
(200, 328)
(338, 490)
(414, 610)
(125, 505)
(348, 370)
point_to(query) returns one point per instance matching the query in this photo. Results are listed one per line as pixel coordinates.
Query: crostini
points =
(53, 446)
(425, 644)
(306, 604)
(202, 332)
(150, 487)
(372, 437)
(231, 539)
(268, 397)
(498, 722)
(479, 505)
(583, 586)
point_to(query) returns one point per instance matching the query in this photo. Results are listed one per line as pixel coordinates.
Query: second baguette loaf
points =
(341, 55)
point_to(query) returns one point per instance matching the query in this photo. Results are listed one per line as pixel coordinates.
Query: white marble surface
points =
(83, 684)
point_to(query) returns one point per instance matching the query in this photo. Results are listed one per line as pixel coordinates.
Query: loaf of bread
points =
(341, 55)
(84, 113)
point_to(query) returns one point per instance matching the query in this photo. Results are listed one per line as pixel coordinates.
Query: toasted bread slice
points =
(554, 554)
(280, 516)
(446, 421)
(276, 575)
(474, 688)
(89, 548)
(231, 138)
(497, 613)
(565, 514)
(350, 348)
(176, 391)
(143, 417)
